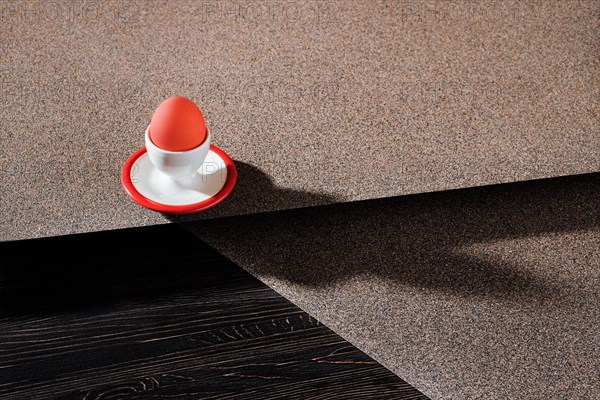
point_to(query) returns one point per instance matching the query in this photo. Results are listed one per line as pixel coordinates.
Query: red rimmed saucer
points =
(150, 188)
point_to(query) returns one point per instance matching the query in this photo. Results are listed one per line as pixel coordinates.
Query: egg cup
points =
(178, 165)
(178, 182)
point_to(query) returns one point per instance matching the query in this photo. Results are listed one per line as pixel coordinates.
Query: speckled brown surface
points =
(319, 102)
(483, 293)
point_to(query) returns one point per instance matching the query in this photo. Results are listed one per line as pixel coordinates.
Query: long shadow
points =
(254, 189)
(415, 240)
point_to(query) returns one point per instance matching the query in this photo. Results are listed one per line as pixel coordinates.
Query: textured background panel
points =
(318, 102)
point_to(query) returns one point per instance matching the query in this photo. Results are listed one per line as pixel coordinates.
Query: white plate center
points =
(156, 186)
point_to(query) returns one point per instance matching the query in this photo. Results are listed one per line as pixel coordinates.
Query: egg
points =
(177, 125)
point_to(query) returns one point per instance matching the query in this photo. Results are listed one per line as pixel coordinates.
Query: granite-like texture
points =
(323, 101)
(483, 293)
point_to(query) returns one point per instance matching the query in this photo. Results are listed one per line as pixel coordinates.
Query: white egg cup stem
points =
(181, 166)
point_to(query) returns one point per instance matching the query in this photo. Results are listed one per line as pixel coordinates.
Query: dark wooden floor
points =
(155, 313)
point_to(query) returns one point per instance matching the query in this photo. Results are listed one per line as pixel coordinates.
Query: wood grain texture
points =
(132, 320)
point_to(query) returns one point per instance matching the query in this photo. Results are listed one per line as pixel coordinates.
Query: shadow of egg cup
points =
(256, 192)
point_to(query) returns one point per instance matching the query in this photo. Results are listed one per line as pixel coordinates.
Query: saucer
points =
(152, 189)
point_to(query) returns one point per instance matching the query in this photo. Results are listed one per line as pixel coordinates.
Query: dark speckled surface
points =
(483, 293)
(318, 101)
